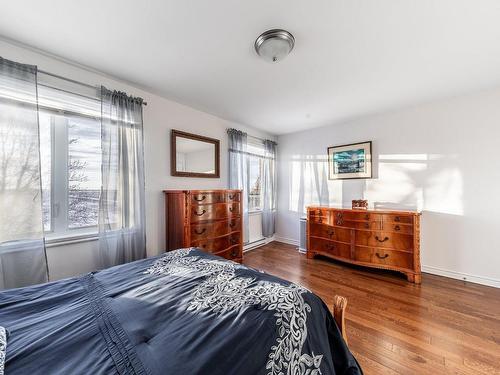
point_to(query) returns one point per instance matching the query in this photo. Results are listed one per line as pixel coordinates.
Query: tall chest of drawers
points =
(373, 238)
(207, 219)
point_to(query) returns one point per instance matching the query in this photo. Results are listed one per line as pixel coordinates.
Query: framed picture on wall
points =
(350, 161)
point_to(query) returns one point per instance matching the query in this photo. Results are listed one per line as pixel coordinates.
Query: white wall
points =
(160, 116)
(440, 157)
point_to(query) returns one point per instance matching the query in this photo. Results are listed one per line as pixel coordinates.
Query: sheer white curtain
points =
(269, 189)
(238, 170)
(122, 236)
(22, 249)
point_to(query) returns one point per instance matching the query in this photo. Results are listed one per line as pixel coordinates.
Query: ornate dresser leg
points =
(414, 278)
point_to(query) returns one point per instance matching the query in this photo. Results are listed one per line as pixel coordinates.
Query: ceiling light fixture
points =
(274, 45)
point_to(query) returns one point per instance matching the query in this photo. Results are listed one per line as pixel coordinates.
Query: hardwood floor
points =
(443, 326)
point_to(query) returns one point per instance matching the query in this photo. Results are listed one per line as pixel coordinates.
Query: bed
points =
(185, 312)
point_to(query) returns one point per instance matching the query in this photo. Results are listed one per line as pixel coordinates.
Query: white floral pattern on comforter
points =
(3, 348)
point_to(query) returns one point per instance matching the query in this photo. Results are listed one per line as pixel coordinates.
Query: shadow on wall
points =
(426, 182)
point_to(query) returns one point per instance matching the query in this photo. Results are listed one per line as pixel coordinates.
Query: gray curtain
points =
(23, 259)
(122, 236)
(269, 189)
(238, 170)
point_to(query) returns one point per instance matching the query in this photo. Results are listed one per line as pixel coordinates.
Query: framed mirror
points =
(194, 155)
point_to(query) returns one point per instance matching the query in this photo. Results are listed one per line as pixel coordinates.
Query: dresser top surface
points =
(373, 210)
(202, 191)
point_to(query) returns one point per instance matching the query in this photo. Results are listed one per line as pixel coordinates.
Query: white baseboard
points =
(462, 276)
(289, 241)
(257, 244)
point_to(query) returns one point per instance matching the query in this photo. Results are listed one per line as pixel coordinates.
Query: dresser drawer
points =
(384, 239)
(366, 225)
(397, 228)
(385, 257)
(214, 245)
(217, 211)
(214, 229)
(320, 215)
(356, 216)
(331, 248)
(205, 212)
(208, 198)
(233, 253)
(233, 209)
(394, 218)
(329, 232)
(232, 197)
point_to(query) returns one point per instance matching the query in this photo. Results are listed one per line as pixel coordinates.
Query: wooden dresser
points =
(207, 219)
(373, 238)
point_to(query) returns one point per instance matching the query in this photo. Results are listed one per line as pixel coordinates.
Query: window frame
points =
(259, 208)
(255, 149)
(60, 231)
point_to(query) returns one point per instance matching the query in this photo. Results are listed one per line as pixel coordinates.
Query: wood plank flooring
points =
(443, 326)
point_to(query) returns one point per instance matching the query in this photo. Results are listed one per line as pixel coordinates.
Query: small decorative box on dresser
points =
(207, 219)
(373, 238)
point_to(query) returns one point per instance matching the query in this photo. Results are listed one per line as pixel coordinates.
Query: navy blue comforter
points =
(185, 312)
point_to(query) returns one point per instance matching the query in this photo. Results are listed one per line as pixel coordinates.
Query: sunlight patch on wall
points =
(444, 192)
(409, 157)
(397, 183)
(430, 182)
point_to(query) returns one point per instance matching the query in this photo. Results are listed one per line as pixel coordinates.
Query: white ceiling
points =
(352, 57)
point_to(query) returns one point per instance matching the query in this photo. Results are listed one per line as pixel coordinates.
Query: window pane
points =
(254, 175)
(84, 171)
(45, 122)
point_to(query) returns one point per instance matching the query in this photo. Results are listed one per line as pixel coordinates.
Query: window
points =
(256, 152)
(254, 176)
(84, 172)
(70, 157)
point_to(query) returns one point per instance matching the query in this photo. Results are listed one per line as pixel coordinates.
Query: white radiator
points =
(303, 230)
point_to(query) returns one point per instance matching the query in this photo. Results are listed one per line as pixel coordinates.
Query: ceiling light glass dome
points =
(274, 45)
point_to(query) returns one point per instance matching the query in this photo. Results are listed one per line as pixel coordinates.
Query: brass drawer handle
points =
(232, 225)
(231, 209)
(397, 218)
(367, 225)
(367, 217)
(200, 232)
(381, 256)
(200, 199)
(330, 232)
(339, 215)
(234, 254)
(233, 241)
(200, 214)
(397, 227)
(340, 222)
(383, 240)
(231, 197)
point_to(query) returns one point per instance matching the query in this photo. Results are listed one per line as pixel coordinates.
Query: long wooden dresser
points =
(206, 219)
(373, 238)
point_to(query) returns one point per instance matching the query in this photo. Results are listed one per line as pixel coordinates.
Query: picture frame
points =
(351, 161)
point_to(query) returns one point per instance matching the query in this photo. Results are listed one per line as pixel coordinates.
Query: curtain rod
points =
(74, 81)
(261, 139)
(253, 136)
